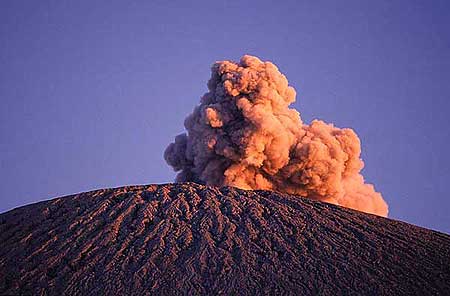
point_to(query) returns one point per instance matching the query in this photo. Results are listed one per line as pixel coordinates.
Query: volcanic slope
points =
(192, 239)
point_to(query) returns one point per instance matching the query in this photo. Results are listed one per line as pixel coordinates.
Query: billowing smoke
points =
(244, 134)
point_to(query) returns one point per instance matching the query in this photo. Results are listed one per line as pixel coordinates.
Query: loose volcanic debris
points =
(192, 239)
(243, 134)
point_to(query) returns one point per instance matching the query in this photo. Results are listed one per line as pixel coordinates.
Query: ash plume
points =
(244, 134)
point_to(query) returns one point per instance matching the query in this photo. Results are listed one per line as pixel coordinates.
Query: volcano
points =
(187, 238)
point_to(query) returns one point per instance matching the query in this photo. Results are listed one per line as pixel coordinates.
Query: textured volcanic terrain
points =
(192, 239)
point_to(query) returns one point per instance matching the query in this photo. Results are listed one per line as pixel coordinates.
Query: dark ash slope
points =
(192, 239)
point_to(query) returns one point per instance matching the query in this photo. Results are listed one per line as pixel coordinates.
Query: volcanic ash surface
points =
(194, 239)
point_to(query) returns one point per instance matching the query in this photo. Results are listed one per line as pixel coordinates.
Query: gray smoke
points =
(244, 134)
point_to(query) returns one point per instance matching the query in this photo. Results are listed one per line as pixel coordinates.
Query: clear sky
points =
(93, 91)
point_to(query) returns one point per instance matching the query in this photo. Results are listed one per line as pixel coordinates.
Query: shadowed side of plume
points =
(189, 239)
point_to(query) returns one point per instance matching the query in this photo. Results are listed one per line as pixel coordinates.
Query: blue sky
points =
(93, 91)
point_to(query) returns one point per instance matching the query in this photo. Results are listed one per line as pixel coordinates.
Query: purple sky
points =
(91, 94)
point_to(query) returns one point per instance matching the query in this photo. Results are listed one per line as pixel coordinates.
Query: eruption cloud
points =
(244, 134)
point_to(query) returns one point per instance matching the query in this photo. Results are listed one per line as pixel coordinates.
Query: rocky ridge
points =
(192, 239)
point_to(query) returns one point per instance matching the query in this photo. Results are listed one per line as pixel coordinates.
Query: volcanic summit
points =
(192, 239)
